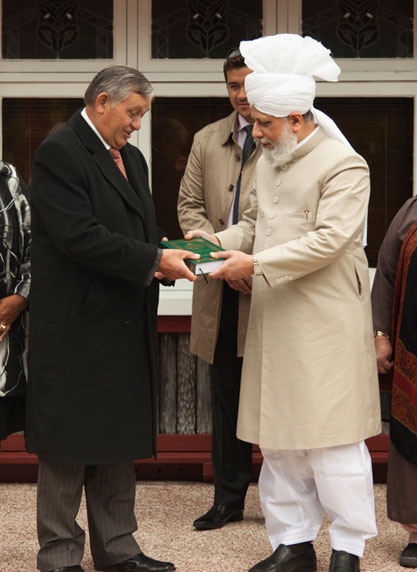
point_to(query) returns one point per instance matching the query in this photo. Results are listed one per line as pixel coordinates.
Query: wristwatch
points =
(256, 267)
(379, 334)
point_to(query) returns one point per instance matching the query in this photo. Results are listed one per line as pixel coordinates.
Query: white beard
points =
(282, 152)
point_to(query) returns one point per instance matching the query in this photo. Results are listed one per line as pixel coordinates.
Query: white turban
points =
(284, 67)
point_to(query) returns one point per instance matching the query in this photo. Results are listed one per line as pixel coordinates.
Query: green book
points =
(199, 245)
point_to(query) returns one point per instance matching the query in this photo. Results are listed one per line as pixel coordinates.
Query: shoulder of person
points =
(407, 213)
(4, 168)
(410, 203)
(336, 150)
(8, 170)
(222, 127)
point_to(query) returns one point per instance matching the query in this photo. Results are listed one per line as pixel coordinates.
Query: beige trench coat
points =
(309, 373)
(205, 198)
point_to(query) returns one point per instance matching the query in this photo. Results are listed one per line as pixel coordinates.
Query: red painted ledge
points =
(180, 458)
(174, 324)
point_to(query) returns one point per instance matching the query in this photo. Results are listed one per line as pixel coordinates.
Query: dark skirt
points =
(12, 415)
(401, 488)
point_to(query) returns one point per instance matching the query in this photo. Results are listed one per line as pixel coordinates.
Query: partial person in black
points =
(213, 195)
(93, 362)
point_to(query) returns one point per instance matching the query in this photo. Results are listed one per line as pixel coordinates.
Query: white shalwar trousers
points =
(297, 487)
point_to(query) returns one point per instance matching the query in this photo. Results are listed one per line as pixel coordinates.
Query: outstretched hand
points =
(173, 267)
(237, 266)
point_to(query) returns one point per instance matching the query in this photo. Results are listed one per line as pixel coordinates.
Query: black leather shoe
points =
(408, 557)
(292, 558)
(68, 569)
(342, 561)
(141, 563)
(218, 516)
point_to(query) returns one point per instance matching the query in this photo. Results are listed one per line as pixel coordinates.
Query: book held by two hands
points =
(199, 245)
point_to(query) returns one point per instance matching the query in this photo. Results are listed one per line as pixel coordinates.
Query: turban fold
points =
(284, 67)
(290, 53)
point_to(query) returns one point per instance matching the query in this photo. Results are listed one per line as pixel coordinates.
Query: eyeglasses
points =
(233, 53)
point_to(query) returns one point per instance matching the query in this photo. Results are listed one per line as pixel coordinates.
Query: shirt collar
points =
(94, 128)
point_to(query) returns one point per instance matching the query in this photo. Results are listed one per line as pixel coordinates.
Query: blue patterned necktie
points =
(245, 154)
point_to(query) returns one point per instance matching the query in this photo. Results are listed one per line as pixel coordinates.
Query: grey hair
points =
(118, 82)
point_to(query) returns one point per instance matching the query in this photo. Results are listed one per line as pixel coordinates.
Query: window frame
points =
(197, 78)
(60, 68)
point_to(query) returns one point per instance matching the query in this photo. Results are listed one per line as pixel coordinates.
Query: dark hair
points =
(118, 82)
(234, 60)
(308, 116)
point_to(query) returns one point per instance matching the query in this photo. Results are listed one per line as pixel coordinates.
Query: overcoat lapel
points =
(106, 165)
(138, 181)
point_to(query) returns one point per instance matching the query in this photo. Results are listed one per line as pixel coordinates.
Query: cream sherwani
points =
(309, 374)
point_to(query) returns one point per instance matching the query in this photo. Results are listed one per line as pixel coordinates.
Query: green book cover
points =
(199, 245)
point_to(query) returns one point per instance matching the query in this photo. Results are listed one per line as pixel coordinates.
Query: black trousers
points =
(231, 458)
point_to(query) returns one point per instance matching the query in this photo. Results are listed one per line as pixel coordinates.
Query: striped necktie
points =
(245, 154)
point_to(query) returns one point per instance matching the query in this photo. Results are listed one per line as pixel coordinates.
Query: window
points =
(357, 29)
(381, 130)
(57, 30)
(27, 121)
(174, 122)
(195, 29)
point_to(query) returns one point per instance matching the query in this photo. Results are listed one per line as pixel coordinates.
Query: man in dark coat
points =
(92, 365)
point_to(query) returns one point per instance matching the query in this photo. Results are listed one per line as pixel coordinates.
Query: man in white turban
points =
(309, 392)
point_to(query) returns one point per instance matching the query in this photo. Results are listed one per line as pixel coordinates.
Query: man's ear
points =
(296, 121)
(102, 100)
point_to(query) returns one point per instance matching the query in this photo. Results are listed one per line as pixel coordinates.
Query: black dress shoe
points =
(68, 569)
(292, 558)
(141, 563)
(342, 561)
(218, 516)
(408, 557)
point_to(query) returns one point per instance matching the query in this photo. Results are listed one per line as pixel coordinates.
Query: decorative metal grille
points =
(203, 28)
(58, 29)
(361, 28)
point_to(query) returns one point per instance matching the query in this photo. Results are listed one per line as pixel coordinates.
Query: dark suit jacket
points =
(92, 362)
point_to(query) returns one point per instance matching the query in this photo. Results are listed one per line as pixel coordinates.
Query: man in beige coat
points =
(309, 394)
(207, 198)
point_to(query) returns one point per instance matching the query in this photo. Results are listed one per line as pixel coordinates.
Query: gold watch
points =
(379, 334)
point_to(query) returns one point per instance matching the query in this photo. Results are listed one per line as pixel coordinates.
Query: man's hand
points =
(237, 266)
(173, 267)
(10, 308)
(244, 285)
(198, 232)
(383, 348)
